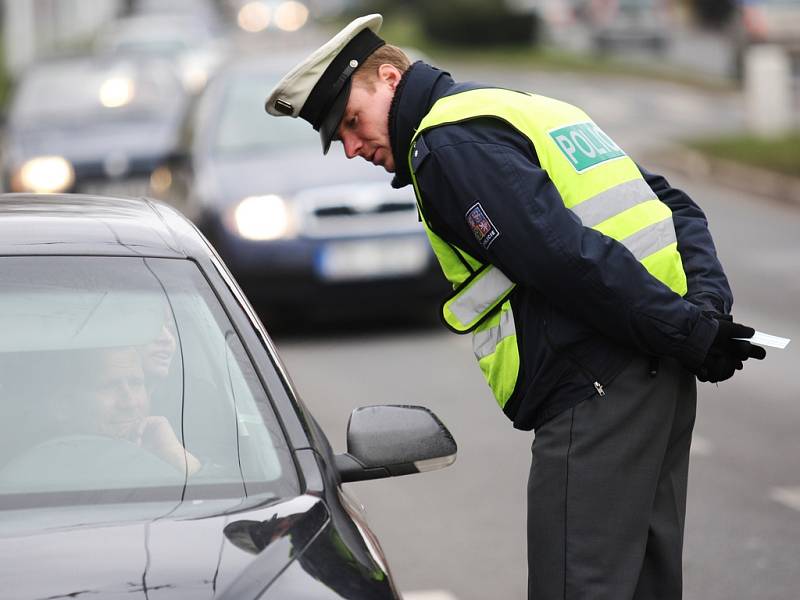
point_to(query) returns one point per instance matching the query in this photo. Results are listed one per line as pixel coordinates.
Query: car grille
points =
(356, 210)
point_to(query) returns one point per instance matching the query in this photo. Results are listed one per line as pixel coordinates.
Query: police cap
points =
(317, 89)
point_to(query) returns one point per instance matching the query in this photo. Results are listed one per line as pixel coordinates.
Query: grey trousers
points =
(607, 490)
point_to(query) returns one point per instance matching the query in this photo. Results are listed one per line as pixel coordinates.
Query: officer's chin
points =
(389, 168)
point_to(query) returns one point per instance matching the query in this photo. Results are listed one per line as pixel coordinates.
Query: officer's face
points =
(364, 129)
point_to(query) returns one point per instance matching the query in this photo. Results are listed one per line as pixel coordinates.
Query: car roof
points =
(68, 224)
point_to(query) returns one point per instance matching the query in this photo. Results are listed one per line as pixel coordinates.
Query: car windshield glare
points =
(124, 378)
(243, 126)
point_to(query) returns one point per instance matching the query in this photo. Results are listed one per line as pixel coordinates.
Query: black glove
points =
(727, 354)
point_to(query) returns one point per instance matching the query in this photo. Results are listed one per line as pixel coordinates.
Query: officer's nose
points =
(351, 145)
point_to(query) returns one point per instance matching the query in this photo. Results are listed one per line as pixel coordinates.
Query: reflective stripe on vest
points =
(484, 342)
(494, 343)
(476, 298)
(613, 201)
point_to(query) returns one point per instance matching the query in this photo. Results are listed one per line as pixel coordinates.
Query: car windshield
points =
(243, 126)
(62, 92)
(122, 379)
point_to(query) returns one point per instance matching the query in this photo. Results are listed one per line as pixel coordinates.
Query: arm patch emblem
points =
(481, 225)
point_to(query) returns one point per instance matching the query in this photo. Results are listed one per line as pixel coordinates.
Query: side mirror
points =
(387, 441)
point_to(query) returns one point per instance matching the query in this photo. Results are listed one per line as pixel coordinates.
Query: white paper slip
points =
(765, 339)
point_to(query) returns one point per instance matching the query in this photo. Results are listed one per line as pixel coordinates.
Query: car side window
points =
(122, 373)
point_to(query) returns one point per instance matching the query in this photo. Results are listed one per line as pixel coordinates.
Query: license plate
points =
(372, 259)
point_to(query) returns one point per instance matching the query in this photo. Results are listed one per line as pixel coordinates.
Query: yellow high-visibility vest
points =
(596, 180)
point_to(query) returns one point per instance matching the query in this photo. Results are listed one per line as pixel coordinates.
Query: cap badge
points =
(284, 107)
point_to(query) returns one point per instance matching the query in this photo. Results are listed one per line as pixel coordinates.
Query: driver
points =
(117, 405)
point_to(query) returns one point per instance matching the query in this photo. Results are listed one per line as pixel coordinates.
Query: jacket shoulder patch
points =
(481, 225)
(419, 152)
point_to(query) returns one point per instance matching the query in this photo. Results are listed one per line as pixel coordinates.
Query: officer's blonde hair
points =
(367, 74)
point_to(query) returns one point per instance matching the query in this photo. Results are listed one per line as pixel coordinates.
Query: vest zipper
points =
(598, 387)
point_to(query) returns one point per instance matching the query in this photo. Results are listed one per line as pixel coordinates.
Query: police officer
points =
(591, 288)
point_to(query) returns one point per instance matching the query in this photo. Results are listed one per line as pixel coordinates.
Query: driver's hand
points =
(159, 438)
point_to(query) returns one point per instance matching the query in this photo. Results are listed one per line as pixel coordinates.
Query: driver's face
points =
(118, 398)
(158, 354)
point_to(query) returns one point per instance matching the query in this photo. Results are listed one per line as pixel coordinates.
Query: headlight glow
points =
(160, 180)
(263, 218)
(45, 174)
(291, 16)
(116, 92)
(254, 17)
(195, 78)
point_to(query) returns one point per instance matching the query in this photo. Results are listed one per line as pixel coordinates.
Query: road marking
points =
(429, 595)
(700, 446)
(788, 496)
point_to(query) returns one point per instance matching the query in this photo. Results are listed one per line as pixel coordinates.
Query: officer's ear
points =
(390, 75)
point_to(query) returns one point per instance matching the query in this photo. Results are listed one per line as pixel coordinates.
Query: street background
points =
(459, 533)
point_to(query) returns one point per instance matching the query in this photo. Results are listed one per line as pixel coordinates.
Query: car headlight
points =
(116, 92)
(254, 16)
(160, 180)
(291, 15)
(194, 77)
(263, 218)
(48, 174)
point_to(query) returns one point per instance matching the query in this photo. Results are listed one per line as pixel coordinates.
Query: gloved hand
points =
(727, 354)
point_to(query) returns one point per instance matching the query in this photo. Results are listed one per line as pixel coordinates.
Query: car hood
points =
(197, 549)
(224, 181)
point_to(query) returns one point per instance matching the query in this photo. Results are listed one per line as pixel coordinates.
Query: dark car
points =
(195, 46)
(299, 230)
(93, 125)
(151, 444)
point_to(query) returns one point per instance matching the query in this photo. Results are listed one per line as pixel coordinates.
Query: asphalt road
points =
(459, 533)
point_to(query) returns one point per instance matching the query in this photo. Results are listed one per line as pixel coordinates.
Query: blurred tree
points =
(714, 13)
(384, 7)
(477, 23)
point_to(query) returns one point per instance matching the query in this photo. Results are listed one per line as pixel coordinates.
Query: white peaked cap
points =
(317, 89)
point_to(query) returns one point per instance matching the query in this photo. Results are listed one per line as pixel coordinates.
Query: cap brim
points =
(330, 124)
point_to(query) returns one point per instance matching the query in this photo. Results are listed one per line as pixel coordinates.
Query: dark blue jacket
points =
(583, 306)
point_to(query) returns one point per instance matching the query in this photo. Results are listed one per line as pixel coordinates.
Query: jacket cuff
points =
(697, 344)
(709, 303)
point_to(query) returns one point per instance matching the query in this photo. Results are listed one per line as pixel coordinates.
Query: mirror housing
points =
(390, 440)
